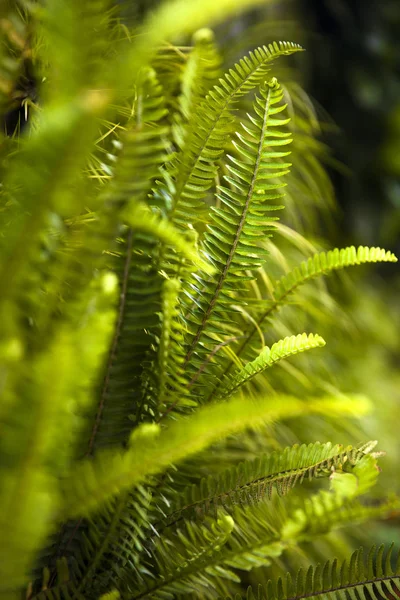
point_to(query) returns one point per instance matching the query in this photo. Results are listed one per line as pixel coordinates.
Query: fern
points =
(171, 381)
(231, 241)
(201, 73)
(373, 576)
(211, 128)
(268, 357)
(131, 251)
(320, 264)
(250, 481)
(183, 570)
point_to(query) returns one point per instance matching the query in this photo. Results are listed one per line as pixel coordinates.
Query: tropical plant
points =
(132, 251)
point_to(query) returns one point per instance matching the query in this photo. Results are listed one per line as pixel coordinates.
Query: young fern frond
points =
(289, 346)
(251, 481)
(231, 239)
(370, 577)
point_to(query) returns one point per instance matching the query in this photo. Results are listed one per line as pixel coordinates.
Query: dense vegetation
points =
(158, 390)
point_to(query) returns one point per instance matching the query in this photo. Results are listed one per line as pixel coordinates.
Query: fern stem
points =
(114, 345)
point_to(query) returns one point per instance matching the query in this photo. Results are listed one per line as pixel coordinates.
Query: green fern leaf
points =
(268, 357)
(152, 451)
(322, 263)
(251, 481)
(140, 218)
(258, 536)
(371, 577)
(231, 239)
(201, 73)
(195, 548)
(211, 127)
(164, 379)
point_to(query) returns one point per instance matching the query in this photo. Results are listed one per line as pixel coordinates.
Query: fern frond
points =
(170, 354)
(140, 218)
(251, 481)
(322, 263)
(268, 357)
(211, 127)
(260, 531)
(142, 150)
(164, 381)
(201, 72)
(61, 588)
(152, 451)
(112, 543)
(187, 567)
(371, 577)
(231, 239)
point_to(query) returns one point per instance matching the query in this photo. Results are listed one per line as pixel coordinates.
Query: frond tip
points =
(373, 577)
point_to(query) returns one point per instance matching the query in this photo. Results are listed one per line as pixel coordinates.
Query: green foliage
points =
(250, 481)
(131, 254)
(375, 575)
